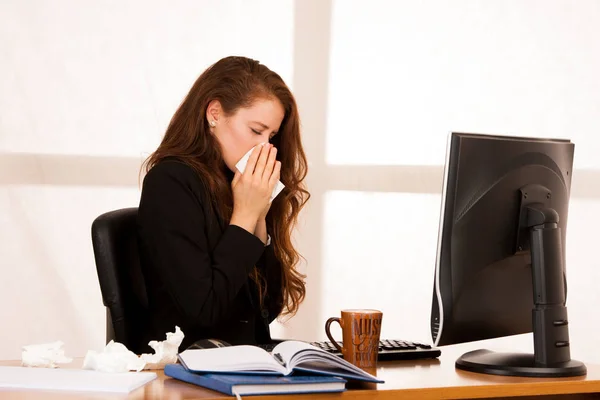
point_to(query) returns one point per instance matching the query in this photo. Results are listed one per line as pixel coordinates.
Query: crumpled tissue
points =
(165, 352)
(241, 166)
(115, 357)
(45, 355)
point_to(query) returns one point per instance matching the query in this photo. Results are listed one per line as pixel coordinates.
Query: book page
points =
(289, 348)
(230, 359)
(307, 357)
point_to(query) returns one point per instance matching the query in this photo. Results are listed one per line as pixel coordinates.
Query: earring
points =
(213, 123)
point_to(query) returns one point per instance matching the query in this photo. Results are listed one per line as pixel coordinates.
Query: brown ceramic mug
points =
(360, 336)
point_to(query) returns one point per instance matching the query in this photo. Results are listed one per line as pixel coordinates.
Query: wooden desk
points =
(431, 379)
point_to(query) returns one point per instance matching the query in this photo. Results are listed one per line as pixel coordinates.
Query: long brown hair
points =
(236, 82)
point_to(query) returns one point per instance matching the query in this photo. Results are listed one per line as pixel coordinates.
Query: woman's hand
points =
(261, 226)
(252, 189)
(263, 214)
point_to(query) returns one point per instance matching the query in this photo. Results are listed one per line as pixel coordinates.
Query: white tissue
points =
(165, 352)
(241, 166)
(117, 358)
(114, 358)
(45, 355)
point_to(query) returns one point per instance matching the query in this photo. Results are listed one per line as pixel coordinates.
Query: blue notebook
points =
(249, 385)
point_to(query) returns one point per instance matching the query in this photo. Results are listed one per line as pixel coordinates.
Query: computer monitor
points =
(500, 267)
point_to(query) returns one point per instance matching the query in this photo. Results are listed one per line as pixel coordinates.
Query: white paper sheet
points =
(72, 379)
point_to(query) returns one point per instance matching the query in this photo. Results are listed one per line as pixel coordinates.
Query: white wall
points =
(86, 91)
(404, 74)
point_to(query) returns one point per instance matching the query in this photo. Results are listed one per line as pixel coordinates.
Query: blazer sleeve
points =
(271, 268)
(202, 283)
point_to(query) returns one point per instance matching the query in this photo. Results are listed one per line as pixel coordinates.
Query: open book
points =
(286, 357)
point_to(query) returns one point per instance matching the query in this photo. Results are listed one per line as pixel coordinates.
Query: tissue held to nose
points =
(241, 166)
(45, 355)
(117, 358)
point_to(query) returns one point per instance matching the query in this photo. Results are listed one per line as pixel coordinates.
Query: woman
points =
(216, 255)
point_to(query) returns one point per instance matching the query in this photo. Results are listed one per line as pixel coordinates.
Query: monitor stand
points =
(551, 357)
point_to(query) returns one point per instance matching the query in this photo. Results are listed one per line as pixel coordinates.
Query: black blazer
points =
(197, 267)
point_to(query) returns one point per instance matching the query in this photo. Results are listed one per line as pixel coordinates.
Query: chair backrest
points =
(114, 240)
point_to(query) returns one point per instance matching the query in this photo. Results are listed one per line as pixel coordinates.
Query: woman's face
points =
(246, 128)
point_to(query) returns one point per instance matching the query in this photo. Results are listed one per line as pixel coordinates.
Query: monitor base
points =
(516, 364)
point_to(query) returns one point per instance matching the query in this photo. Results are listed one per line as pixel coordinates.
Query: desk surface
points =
(426, 379)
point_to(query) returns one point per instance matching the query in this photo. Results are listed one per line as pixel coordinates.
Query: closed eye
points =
(256, 132)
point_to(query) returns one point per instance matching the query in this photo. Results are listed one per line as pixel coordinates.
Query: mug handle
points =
(327, 327)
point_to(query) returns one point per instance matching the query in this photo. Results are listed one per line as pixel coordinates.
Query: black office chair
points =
(122, 284)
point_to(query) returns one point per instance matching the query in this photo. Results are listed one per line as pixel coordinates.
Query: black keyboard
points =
(392, 350)
(388, 349)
